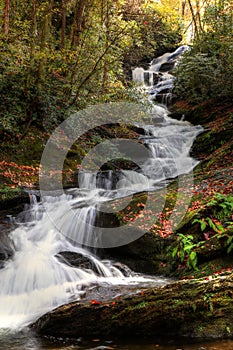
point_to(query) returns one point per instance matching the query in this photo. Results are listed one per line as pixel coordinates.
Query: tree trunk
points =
(194, 20)
(33, 26)
(63, 25)
(195, 308)
(45, 34)
(106, 28)
(78, 19)
(6, 17)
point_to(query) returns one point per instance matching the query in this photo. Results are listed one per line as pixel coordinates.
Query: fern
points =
(202, 223)
(217, 227)
(185, 248)
(229, 244)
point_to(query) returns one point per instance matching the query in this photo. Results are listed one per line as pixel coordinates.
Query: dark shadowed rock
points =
(166, 67)
(6, 246)
(77, 260)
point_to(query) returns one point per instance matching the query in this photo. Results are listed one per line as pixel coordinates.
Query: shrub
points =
(206, 72)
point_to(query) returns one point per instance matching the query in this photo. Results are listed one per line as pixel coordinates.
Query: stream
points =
(29, 341)
(38, 279)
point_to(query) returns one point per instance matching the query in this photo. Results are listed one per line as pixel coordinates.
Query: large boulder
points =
(194, 308)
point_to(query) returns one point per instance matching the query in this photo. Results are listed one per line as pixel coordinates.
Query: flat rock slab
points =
(194, 308)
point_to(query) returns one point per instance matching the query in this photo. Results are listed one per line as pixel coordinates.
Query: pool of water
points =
(28, 341)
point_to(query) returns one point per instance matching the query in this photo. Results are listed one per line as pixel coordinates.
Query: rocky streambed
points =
(200, 304)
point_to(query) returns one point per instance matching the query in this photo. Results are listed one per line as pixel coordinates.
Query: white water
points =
(153, 79)
(170, 145)
(36, 280)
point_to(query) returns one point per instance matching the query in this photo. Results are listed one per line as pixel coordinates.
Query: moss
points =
(8, 193)
(186, 224)
(12, 197)
(217, 265)
(154, 312)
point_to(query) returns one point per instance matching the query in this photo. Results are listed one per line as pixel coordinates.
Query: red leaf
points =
(95, 302)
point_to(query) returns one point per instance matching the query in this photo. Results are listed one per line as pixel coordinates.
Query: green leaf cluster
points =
(61, 56)
(206, 72)
(185, 250)
(221, 207)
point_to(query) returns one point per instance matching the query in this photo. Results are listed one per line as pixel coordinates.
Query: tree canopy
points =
(60, 55)
(57, 54)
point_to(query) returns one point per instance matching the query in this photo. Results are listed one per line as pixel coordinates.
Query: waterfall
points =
(170, 146)
(157, 77)
(35, 280)
(38, 277)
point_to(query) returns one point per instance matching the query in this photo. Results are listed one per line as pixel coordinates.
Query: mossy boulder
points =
(200, 309)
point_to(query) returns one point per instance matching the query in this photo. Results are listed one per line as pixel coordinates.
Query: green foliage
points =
(48, 69)
(209, 223)
(222, 205)
(156, 34)
(184, 249)
(206, 72)
(195, 76)
(207, 298)
(141, 305)
(8, 193)
(26, 98)
(229, 244)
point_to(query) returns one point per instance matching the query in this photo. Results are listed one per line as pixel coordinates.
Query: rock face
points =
(6, 247)
(147, 254)
(195, 308)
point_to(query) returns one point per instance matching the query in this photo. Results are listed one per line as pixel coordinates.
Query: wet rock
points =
(166, 67)
(13, 198)
(77, 260)
(195, 309)
(6, 246)
(146, 254)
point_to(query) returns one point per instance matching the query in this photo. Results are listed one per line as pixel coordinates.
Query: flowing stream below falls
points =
(37, 279)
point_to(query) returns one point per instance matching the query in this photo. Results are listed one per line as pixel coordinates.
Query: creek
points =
(29, 341)
(37, 278)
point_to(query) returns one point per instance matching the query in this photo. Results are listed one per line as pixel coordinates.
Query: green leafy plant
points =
(207, 298)
(229, 244)
(206, 72)
(209, 223)
(184, 249)
(222, 205)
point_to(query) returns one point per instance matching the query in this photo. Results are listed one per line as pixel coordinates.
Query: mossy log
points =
(194, 308)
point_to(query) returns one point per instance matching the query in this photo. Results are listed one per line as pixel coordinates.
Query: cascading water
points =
(37, 279)
(170, 145)
(157, 78)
